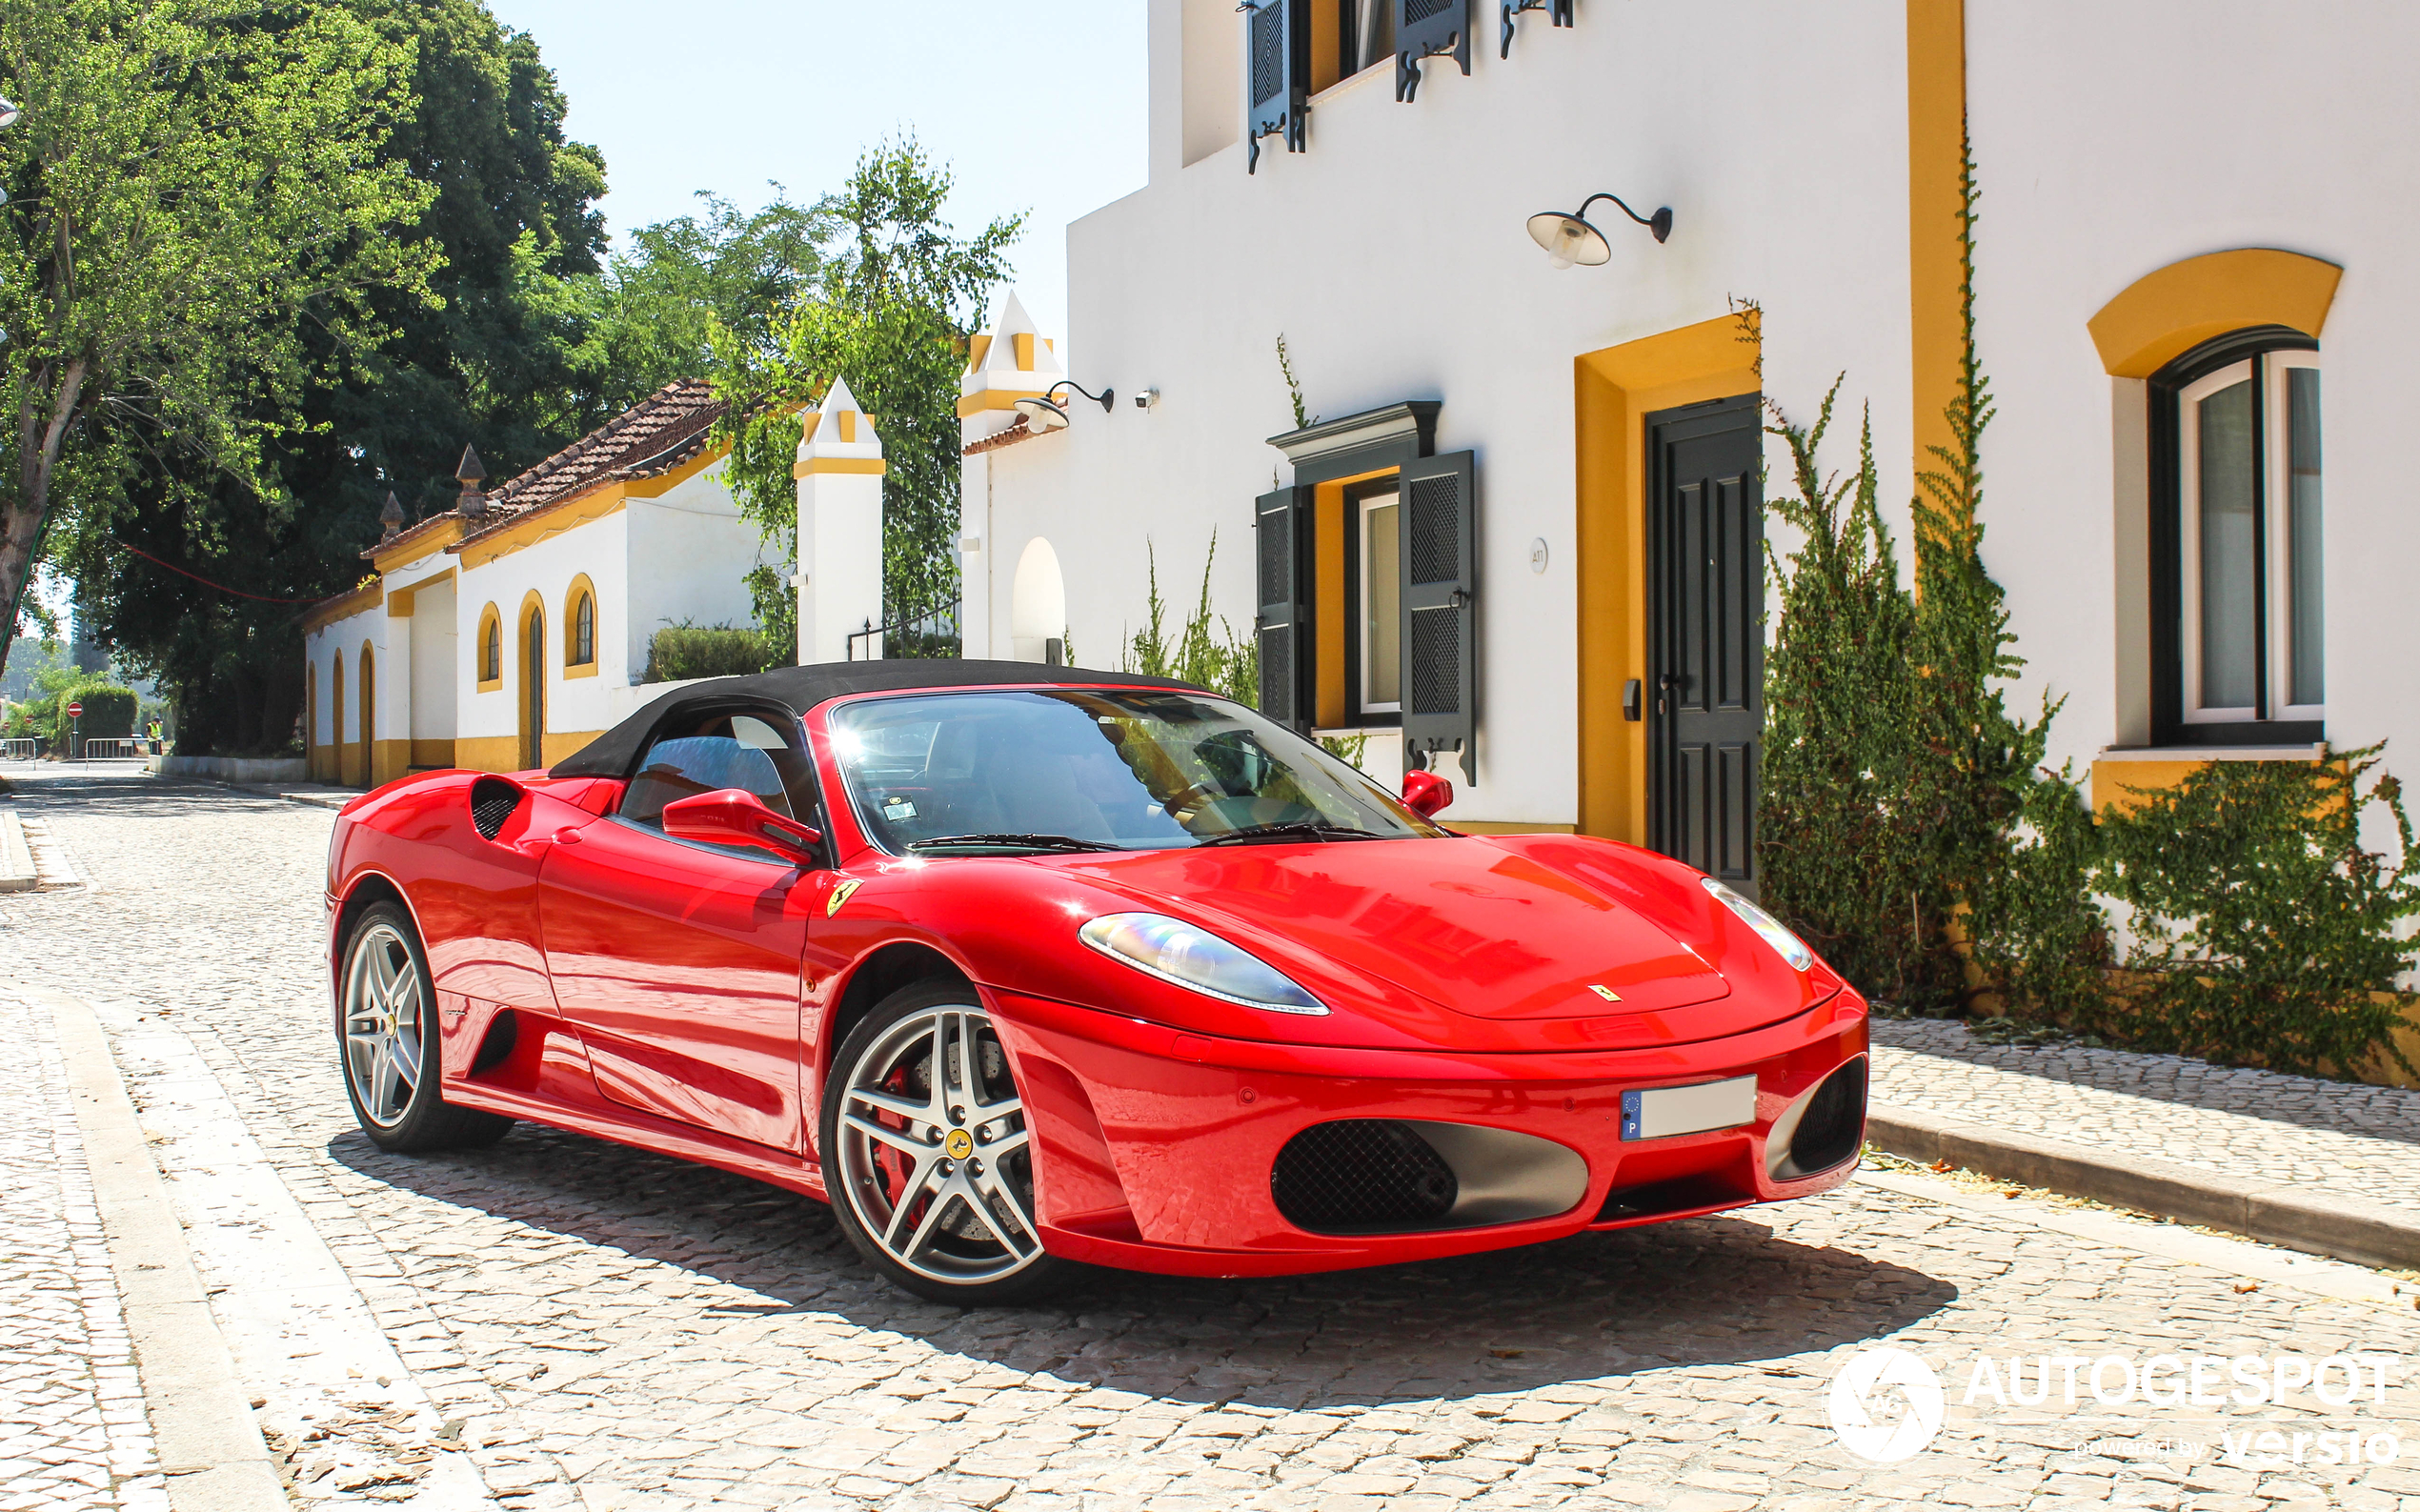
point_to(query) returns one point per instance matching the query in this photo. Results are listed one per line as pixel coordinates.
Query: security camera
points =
(1146, 398)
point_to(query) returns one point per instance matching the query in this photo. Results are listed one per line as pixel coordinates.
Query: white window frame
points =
(1370, 504)
(2268, 369)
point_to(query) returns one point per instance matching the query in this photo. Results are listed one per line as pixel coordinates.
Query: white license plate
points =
(1659, 1113)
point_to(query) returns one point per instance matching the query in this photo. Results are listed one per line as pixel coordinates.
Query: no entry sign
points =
(75, 711)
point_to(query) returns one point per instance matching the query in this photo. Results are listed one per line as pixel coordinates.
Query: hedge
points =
(679, 653)
(109, 710)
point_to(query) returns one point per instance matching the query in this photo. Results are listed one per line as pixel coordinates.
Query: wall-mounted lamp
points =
(1569, 239)
(1146, 398)
(1043, 413)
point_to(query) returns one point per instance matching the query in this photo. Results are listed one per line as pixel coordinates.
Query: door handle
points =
(567, 835)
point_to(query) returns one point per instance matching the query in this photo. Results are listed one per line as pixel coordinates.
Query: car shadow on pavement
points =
(1719, 1290)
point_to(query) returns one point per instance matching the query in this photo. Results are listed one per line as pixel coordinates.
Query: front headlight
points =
(1190, 957)
(1772, 930)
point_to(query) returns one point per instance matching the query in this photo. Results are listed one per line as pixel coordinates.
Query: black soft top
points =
(611, 755)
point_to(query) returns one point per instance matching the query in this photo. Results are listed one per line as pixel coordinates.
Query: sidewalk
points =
(2331, 1167)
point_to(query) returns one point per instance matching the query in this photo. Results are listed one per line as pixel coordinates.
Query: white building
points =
(507, 633)
(1499, 517)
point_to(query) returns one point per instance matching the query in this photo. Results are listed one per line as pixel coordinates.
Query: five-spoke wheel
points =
(386, 1030)
(927, 1154)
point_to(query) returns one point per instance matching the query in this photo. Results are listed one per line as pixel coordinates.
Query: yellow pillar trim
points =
(1613, 390)
(1024, 340)
(2164, 314)
(815, 418)
(1936, 142)
(977, 352)
(994, 399)
(848, 427)
(839, 464)
(399, 603)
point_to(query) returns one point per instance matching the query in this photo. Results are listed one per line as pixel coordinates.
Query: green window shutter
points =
(1440, 524)
(1286, 624)
(1427, 29)
(1277, 69)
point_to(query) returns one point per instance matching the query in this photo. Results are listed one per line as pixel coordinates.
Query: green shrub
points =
(109, 710)
(679, 653)
(2262, 928)
(1220, 660)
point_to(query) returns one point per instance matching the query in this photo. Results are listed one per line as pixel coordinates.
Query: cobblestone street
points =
(561, 1322)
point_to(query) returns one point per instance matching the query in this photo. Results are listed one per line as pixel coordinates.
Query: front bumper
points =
(1156, 1147)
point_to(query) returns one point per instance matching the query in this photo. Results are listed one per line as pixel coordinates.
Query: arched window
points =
(579, 625)
(2238, 514)
(491, 649)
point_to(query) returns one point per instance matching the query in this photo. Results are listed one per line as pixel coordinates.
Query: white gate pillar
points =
(839, 471)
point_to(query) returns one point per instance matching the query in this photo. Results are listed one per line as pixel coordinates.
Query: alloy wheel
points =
(934, 1159)
(384, 1018)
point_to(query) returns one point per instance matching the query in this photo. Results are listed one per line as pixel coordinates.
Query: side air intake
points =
(1396, 1176)
(493, 800)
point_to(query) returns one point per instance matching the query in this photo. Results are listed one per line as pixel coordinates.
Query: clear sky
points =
(1034, 106)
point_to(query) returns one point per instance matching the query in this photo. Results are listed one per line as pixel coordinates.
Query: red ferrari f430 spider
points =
(1023, 968)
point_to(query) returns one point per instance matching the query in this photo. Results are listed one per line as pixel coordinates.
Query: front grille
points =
(1676, 1195)
(1361, 1175)
(493, 802)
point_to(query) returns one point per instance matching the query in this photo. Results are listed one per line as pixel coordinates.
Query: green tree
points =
(488, 358)
(890, 310)
(193, 187)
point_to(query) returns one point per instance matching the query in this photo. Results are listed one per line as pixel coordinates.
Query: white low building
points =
(507, 633)
(1517, 532)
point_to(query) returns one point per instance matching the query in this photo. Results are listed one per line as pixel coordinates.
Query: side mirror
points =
(1424, 792)
(735, 816)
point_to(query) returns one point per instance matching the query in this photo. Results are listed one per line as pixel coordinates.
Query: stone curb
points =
(208, 1444)
(2306, 1218)
(16, 860)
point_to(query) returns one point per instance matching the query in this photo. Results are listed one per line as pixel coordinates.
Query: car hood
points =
(1462, 923)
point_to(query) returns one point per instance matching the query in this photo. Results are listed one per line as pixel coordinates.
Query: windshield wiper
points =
(1021, 842)
(1302, 827)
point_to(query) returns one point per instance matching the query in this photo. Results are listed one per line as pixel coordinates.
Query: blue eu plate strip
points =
(1630, 1115)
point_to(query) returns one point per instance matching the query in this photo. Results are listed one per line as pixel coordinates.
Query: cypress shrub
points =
(679, 653)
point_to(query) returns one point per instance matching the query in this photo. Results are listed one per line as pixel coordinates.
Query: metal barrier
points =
(116, 748)
(912, 632)
(25, 749)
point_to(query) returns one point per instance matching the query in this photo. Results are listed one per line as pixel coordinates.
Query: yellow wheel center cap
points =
(958, 1145)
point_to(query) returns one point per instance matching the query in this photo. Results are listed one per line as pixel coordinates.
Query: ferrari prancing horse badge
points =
(839, 895)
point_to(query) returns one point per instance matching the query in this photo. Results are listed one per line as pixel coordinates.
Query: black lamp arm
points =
(1106, 398)
(1643, 220)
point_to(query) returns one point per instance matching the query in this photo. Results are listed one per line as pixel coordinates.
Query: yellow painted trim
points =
(981, 349)
(452, 528)
(487, 753)
(807, 429)
(1329, 568)
(1936, 142)
(399, 603)
(388, 759)
(365, 681)
(433, 752)
(531, 624)
(973, 404)
(320, 617)
(544, 525)
(671, 479)
(1614, 389)
(579, 585)
(2164, 314)
(562, 745)
(839, 464)
(2123, 785)
(1506, 827)
(1024, 340)
(848, 427)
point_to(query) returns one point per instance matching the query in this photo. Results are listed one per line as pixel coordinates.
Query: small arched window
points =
(491, 646)
(583, 630)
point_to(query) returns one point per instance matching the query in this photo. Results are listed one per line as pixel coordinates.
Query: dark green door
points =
(1706, 615)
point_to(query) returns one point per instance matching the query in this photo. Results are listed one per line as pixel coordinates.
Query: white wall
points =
(2184, 128)
(689, 555)
(1392, 255)
(597, 548)
(434, 662)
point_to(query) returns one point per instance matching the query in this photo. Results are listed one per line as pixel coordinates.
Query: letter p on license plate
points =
(1659, 1113)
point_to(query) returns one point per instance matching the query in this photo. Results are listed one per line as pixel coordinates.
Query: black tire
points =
(385, 991)
(977, 1246)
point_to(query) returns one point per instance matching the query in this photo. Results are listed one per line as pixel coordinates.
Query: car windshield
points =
(1077, 769)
